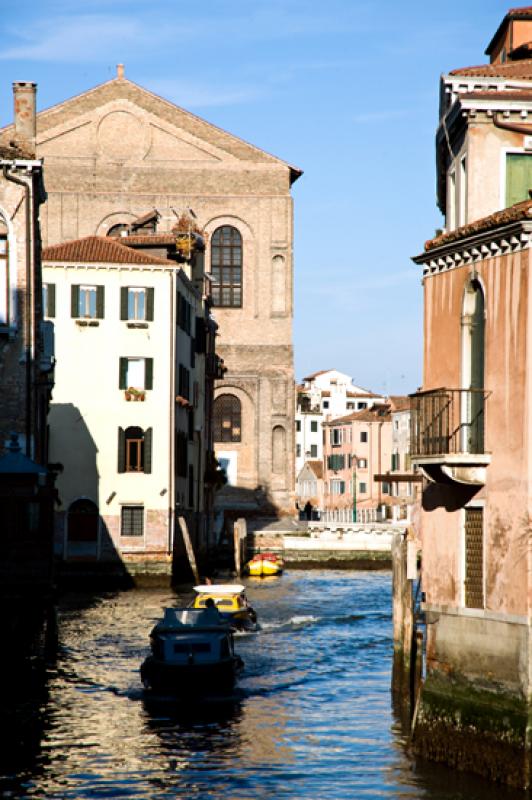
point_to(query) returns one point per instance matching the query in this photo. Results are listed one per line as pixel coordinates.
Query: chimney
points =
(24, 98)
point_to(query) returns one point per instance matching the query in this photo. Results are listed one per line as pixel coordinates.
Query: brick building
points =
(117, 152)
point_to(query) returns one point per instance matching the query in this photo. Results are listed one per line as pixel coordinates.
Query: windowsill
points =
(137, 325)
(87, 323)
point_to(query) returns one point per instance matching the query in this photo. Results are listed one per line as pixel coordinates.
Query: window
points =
(298, 451)
(325, 404)
(362, 463)
(313, 427)
(336, 437)
(87, 302)
(226, 267)
(181, 454)
(451, 201)
(361, 406)
(136, 303)
(363, 436)
(184, 313)
(396, 461)
(518, 177)
(136, 373)
(227, 418)
(298, 425)
(335, 462)
(337, 486)
(184, 382)
(362, 488)
(134, 450)
(313, 450)
(48, 299)
(132, 521)
(385, 488)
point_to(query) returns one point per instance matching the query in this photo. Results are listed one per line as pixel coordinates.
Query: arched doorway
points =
(473, 355)
(83, 528)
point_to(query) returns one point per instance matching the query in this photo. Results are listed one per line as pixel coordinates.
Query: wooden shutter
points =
(474, 558)
(178, 309)
(149, 304)
(148, 373)
(122, 374)
(50, 311)
(147, 450)
(518, 177)
(123, 302)
(121, 450)
(100, 303)
(74, 301)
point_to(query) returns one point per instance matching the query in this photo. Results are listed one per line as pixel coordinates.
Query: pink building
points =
(356, 448)
(473, 420)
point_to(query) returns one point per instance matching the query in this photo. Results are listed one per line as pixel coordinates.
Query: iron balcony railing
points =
(448, 421)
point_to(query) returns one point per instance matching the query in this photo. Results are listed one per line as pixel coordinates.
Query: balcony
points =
(447, 435)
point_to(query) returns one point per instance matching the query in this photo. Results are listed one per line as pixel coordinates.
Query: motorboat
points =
(231, 601)
(265, 564)
(191, 655)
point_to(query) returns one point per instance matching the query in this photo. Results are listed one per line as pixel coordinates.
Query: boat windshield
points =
(178, 617)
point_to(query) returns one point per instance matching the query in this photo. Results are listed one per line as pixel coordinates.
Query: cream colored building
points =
(116, 152)
(127, 416)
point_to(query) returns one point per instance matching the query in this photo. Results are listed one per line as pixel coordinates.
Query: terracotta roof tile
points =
(147, 238)
(375, 414)
(316, 467)
(99, 249)
(400, 402)
(315, 374)
(515, 213)
(510, 69)
(499, 96)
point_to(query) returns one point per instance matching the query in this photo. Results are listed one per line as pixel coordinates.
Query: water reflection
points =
(311, 716)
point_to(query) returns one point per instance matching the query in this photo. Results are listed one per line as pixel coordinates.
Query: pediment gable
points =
(127, 121)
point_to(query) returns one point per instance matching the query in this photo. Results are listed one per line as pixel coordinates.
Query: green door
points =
(518, 177)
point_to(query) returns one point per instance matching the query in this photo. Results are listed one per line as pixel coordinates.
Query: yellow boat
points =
(265, 564)
(231, 602)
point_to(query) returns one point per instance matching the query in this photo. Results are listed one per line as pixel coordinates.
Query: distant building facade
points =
(115, 153)
(356, 449)
(324, 395)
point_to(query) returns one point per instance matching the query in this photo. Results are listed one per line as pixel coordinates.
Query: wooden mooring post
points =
(189, 548)
(240, 537)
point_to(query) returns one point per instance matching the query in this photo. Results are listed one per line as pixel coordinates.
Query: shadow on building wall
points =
(83, 545)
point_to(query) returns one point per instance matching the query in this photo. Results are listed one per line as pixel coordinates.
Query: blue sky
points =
(347, 90)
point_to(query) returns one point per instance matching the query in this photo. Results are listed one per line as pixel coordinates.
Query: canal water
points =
(312, 716)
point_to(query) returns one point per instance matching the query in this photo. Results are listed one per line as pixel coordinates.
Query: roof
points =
(525, 12)
(502, 96)
(147, 238)
(400, 402)
(520, 211)
(510, 69)
(124, 89)
(316, 374)
(379, 413)
(12, 151)
(316, 467)
(99, 249)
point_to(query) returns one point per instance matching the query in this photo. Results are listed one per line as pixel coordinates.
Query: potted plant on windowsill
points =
(135, 394)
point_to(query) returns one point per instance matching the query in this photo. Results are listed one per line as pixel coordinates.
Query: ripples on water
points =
(311, 717)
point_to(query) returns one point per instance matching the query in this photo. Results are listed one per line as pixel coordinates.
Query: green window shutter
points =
(518, 177)
(50, 311)
(123, 302)
(74, 301)
(100, 303)
(122, 374)
(148, 375)
(178, 309)
(147, 450)
(121, 450)
(149, 304)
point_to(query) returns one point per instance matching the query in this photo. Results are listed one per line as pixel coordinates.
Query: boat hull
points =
(190, 679)
(262, 566)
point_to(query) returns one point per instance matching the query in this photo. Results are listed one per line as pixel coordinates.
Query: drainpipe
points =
(28, 337)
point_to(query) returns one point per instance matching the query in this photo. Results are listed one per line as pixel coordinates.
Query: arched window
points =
(473, 349)
(226, 267)
(227, 419)
(134, 449)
